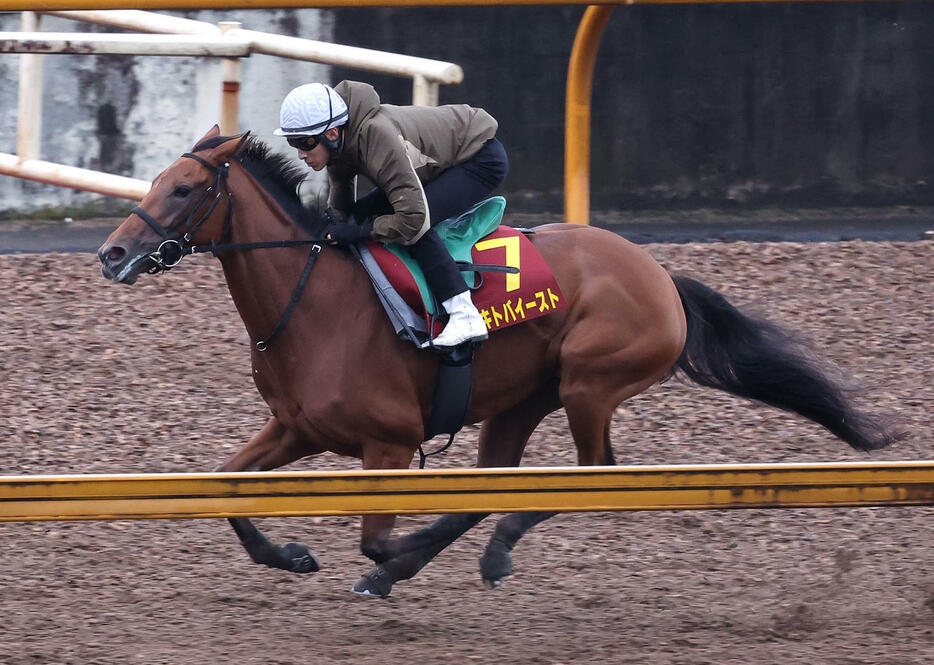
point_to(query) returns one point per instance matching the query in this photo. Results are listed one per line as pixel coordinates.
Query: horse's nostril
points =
(114, 254)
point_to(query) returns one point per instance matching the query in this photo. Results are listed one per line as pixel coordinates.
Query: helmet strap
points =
(333, 146)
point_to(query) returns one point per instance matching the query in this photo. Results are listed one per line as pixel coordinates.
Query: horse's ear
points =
(229, 148)
(214, 131)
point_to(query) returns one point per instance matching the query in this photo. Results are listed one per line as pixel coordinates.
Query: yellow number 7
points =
(511, 243)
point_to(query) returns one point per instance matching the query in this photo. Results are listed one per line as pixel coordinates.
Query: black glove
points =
(334, 216)
(344, 234)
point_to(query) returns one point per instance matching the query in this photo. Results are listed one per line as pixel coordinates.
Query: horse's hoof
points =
(292, 557)
(376, 584)
(301, 559)
(495, 565)
(495, 583)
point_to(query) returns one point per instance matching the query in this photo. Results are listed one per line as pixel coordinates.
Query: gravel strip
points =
(100, 378)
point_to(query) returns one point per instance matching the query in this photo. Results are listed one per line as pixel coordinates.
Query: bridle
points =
(172, 250)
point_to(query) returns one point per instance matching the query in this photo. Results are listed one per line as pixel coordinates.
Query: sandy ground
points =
(100, 378)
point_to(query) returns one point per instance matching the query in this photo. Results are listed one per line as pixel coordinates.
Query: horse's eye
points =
(181, 191)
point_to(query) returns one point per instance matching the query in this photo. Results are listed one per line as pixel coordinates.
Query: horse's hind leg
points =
(274, 446)
(590, 395)
(502, 442)
(496, 563)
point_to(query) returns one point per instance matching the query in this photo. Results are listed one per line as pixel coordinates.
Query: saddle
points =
(510, 283)
(509, 280)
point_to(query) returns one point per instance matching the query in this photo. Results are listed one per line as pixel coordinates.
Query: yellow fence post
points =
(577, 112)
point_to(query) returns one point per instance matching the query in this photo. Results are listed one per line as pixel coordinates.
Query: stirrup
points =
(472, 343)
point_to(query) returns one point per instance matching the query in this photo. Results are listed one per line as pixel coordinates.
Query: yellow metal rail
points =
(54, 5)
(152, 496)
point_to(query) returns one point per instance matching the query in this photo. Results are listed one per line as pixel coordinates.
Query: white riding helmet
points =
(311, 109)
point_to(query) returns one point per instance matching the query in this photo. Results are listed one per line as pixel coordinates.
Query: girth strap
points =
(451, 398)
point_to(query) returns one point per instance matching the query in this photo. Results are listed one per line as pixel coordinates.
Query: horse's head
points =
(187, 204)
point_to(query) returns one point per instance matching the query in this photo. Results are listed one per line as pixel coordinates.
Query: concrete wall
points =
(794, 104)
(799, 104)
(134, 115)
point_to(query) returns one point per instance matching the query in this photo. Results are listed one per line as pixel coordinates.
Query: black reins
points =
(172, 250)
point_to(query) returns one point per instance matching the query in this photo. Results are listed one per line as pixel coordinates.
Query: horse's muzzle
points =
(119, 266)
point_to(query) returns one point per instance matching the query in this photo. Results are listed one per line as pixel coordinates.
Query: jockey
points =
(428, 164)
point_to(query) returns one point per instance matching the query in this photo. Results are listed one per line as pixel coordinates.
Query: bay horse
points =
(336, 378)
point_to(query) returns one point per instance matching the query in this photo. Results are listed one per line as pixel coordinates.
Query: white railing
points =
(71, 176)
(426, 74)
(123, 44)
(176, 36)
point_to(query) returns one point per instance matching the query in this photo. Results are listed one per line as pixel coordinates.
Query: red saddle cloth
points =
(503, 299)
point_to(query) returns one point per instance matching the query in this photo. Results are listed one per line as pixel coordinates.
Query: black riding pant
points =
(453, 192)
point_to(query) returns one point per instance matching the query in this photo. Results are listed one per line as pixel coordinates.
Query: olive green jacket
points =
(399, 148)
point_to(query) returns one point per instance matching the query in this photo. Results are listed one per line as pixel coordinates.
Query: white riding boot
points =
(464, 322)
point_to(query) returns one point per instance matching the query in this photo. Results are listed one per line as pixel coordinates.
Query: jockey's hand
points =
(344, 234)
(334, 216)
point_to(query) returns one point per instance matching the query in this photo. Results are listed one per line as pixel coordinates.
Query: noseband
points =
(171, 250)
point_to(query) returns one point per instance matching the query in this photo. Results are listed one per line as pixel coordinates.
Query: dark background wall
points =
(732, 105)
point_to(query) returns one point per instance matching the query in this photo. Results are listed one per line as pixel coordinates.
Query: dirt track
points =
(99, 378)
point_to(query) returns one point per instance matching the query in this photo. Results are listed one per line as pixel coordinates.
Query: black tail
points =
(753, 358)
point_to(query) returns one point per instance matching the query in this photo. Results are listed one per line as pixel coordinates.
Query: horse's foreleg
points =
(502, 442)
(274, 446)
(376, 530)
(293, 557)
(434, 538)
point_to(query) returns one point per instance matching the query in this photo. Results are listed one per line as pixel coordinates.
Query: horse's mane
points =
(278, 175)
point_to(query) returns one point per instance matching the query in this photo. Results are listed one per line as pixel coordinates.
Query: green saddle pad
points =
(459, 234)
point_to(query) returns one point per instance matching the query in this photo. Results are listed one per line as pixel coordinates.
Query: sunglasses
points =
(306, 143)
